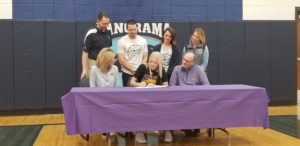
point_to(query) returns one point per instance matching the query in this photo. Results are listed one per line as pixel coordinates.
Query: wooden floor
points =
(54, 133)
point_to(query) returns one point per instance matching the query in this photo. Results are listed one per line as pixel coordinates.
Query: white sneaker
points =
(140, 137)
(112, 134)
(168, 136)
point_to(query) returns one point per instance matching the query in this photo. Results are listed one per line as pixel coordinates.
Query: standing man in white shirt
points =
(132, 51)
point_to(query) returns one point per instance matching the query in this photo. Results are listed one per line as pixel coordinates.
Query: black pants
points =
(126, 77)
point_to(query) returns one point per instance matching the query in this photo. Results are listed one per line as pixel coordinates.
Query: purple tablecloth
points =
(94, 110)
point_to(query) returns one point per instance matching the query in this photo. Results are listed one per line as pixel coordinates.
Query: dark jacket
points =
(175, 59)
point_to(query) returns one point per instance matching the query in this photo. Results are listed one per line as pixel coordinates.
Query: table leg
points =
(225, 131)
(85, 137)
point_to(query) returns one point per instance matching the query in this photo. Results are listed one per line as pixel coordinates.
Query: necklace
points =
(166, 46)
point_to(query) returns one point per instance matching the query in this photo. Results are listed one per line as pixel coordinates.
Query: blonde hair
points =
(157, 55)
(201, 34)
(103, 58)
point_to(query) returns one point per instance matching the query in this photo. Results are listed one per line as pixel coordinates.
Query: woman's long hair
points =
(156, 55)
(173, 35)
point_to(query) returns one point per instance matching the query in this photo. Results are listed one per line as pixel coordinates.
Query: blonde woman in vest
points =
(198, 46)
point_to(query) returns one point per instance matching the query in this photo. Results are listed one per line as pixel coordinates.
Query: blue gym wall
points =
(40, 51)
(171, 10)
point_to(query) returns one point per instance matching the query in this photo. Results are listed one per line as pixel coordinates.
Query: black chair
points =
(85, 82)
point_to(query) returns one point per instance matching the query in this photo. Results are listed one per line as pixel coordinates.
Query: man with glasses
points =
(189, 74)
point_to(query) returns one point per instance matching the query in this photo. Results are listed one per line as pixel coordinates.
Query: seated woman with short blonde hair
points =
(104, 73)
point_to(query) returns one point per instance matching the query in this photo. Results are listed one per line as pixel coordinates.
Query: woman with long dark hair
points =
(169, 51)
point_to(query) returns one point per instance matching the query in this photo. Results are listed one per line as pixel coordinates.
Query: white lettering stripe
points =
(93, 30)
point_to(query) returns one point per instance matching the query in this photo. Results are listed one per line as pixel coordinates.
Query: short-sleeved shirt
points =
(133, 50)
(95, 40)
(143, 74)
